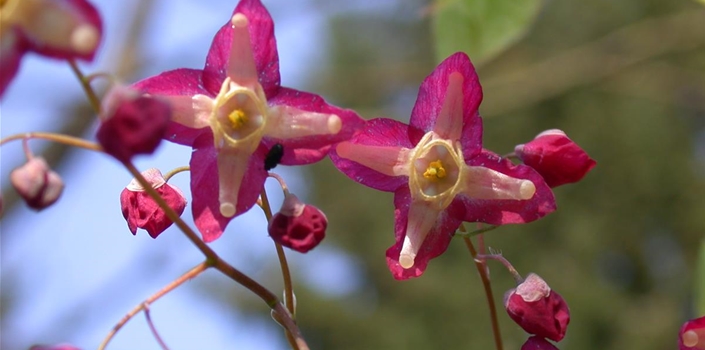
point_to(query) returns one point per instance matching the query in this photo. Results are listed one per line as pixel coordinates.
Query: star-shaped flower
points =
(234, 111)
(438, 170)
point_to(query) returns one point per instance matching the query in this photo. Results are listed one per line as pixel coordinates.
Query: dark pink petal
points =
(178, 82)
(204, 187)
(82, 13)
(538, 343)
(432, 95)
(378, 132)
(310, 149)
(692, 335)
(501, 212)
(297, 225)
(140, 210)
(264, 46)
(436, 241)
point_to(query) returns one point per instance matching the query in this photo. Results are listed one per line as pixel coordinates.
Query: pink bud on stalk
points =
(132, 123)
(538, 309)
(557, 158)
(140, 210)
(38, 185)
(54, 347)
(297, 225)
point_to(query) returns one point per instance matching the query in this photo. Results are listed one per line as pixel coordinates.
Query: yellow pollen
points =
(435, 171)
(237, 118)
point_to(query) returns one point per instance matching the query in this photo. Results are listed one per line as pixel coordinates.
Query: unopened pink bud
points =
(132, 123)
(538, 343)
(538, 309)
(297, 225)
(556, 157)
(38, 185)
(140, 210)
(692, 335)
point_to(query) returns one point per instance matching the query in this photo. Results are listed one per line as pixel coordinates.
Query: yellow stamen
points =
(237, 118)
(435, 171)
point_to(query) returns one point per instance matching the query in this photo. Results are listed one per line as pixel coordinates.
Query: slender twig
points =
(464, 233)
(213, 259)
(60, 138)
(168, 288)
(504, 261)
(175, 171)
(284, 265)
(86, 85)
(159, 339)
(488, 292)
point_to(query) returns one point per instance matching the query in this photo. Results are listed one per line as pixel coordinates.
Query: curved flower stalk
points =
(438, 170)
(234, 111)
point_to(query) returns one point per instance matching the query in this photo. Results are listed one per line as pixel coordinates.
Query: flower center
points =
(239, 116)
(435, 171)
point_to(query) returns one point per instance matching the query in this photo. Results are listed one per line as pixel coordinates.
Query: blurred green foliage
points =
(480, 28)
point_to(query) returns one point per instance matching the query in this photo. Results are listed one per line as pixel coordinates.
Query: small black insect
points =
(274, 156)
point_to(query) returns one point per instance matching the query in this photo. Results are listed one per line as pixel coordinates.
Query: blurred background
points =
(625, 80)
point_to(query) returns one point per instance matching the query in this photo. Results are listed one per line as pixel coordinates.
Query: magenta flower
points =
(438, 170)
(692, 335)
(140, 210)
(556, 157)
(234, 111)
(538, 309)
(63, 29)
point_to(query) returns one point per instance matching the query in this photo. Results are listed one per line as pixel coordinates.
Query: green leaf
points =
(700, 281)
(480, 28)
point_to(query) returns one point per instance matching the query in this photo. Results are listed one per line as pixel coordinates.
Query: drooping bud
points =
(297, 225)
(140, 210)
(38, 185)
(538, 309)
(132, 123)
(538, 343)
(692, 335)
(54, 347)
(556, 157)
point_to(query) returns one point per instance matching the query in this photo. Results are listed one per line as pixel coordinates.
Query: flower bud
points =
(132, 123)
(538, 343)
(38, 185)
(140, 210)
(538, 309)
(297, 225)
(556, 157)
(692, 335)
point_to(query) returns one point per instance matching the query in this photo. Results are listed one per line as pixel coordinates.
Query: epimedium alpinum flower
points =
(438, 170)
(234, 110)
(63, 29)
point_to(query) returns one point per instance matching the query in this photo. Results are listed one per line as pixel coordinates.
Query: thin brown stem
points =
(175, 171)
(156, 335)
(488, 293)
(86, 85)
(214, 260)
(60, 138)
(168, 288)
(284, 265)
